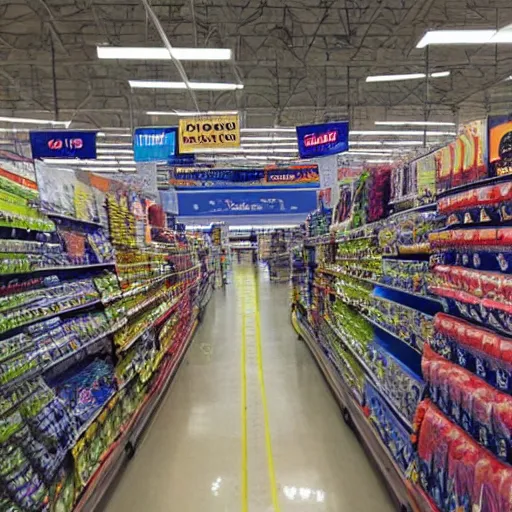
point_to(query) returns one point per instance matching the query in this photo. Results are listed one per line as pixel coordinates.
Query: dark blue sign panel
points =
(245, 202)
(322, 139)
(154, 144)
(64, 144)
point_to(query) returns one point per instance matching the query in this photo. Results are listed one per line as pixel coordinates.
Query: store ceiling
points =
(301, 61)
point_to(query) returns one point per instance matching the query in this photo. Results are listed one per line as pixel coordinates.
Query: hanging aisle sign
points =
(63, 144)
(209, 132)
(322, 139)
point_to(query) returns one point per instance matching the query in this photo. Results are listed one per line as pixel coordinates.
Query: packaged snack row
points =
(478, 350)
(454, 470)
(482, 411)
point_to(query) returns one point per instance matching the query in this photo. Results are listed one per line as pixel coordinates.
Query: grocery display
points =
(98, 308)
(405, 305)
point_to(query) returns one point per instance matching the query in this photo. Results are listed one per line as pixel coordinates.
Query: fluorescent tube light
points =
(161, 53)
(410, 76)
(14, 130)
(446, 37)
(197, 86)
(371, 152)
(114, 151)
(269, 145)
(412, 123)
(268, 130)
(24, 120)
(103, 134)
(187, 113)
(267, 139)
(113, 145)
(244, 150)
(399, 132)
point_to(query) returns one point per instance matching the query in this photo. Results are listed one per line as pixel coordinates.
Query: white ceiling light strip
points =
(113, 145)
(25, 120)
(269, 130)
(413, 123)
(196, 86)
(187, 113)
(449, 37)
(111, 151)
(399, 132)
(162, 53)
(121, 135)
(410, 76)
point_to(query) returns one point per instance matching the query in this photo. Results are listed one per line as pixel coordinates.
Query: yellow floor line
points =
(268, 439)
(245, 476)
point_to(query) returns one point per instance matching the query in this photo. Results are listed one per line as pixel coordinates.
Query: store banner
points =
(293, 175)
(208, 132)
(245, 202)
(322, 139)
(271, 176)
(500, 145)
(63, 144)
(154, 144)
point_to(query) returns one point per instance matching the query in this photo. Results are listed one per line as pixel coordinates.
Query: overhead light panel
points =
(267, 139)
(446, 37)
(413, 123)
(399, 132)
(410, 76)
(190, 113)
(268, 130)
(111, 151)
(113, 144)
(103, 134)
(197, 86)
(161, 53)
(25, 120)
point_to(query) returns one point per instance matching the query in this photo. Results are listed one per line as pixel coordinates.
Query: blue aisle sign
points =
(154, 144)
(245, 202)
(63, 144)
(322, 139)
(159, 145)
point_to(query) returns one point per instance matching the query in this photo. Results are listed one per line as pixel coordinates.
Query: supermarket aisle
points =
(191, 459)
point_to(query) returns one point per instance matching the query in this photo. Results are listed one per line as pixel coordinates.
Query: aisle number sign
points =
(209, 132)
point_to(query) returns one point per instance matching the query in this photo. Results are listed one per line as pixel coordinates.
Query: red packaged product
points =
(492, 285)
(506, 288)
(504, 236)
(459, 381)
(471, 281)
(483, 400)
(502, 426)
(462, 459)
(491, 489)
(445, 324)
(472, 337)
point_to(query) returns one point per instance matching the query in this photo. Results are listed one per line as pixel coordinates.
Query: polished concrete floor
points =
(289, 451)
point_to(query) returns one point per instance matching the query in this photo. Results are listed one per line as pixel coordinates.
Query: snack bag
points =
(462, 458)
(483, 400)
(502, 426)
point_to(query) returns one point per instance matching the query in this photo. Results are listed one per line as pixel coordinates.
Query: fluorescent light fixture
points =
(25, 120)
(379, 161)
(244, 150)
(269, 145)
(115, 129)
(399, 132)
(14, 130)
(161, 53)
(382, 152)
(446, 37)
(440, 74)
(196, 86)
(114, 151)
(410, 76)
(412, 123)
(103, 134)
(113, 144)
(190, 113)
(268, 130)
(267, 139)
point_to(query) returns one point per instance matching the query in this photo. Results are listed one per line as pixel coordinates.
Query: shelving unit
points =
(142, 291)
